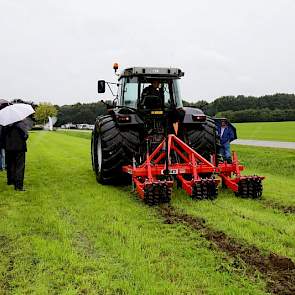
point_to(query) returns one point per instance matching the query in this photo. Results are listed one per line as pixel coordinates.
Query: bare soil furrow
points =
(287, 209)
(278, 271)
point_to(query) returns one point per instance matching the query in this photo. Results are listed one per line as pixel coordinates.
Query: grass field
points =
(68, 235)
(278, 131)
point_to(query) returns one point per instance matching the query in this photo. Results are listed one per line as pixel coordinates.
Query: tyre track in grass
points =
(278, 271)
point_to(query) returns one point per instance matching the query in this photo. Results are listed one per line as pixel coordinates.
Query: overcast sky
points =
(56, 50)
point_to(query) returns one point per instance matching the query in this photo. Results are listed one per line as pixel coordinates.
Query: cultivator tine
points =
(250, 187)
(157, 193)
(204, 189)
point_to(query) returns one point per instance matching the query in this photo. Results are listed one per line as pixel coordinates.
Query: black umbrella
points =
(26, 124)
(3, 103)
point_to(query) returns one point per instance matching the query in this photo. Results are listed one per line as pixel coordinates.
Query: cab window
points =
(130, 92)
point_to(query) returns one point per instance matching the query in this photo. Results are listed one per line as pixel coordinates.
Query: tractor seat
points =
(151, 102)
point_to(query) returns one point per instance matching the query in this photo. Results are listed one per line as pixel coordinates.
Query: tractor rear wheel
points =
(131, 143)
(107, 151)
(203, 138)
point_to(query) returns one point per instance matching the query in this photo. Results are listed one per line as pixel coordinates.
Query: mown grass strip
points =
(80, 134)
(278, 131)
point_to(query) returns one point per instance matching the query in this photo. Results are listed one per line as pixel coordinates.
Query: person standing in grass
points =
(16, 147)
(226, 136)
(2, 151)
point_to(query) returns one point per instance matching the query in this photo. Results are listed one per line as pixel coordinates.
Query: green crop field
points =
(279, 131)
(69, 235)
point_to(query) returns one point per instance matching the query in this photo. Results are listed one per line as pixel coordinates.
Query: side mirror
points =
(101, 86)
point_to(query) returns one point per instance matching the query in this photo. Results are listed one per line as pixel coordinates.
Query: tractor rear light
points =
(123, 119)
(199, 118)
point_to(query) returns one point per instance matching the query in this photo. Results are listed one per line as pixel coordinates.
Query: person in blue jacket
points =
(226, 136)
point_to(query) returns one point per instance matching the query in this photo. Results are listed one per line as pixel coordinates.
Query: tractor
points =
(149, 138)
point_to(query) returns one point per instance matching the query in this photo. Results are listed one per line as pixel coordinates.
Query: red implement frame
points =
(190, 164)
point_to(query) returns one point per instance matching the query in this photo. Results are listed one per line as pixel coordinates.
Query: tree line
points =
(277, 107)
(80, 113)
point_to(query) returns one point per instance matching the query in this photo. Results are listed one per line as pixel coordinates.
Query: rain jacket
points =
(1, 137)
(15, 137)
(227, 136)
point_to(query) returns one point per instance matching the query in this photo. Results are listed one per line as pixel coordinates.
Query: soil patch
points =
(287, 209)
(278, 271)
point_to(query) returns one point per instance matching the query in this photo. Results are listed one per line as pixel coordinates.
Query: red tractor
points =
(149, 136)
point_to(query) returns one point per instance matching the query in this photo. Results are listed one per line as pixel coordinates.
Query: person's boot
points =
(20, 189)
(19, 186)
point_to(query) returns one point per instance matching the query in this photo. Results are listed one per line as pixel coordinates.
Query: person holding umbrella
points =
(3, 103)
(16, 134)
(2, 151)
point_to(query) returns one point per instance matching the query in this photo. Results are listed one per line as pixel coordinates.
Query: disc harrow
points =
(250, 187)
(194, 174)
(204, 189)
(155, 194)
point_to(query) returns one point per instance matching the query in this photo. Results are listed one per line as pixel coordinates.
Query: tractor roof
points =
(152, 72)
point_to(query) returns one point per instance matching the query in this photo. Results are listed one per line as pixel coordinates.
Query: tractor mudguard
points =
(124, 117)
(193, 116)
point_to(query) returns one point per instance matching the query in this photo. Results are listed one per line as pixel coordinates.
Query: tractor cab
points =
(150, 88)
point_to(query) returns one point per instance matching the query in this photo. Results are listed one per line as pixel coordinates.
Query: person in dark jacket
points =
(16, 147)
(2, 151)
(152, 96)
(226, 136)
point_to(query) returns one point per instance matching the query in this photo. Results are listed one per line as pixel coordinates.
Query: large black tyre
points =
(203, 138)
(131, 143)
(107, 151)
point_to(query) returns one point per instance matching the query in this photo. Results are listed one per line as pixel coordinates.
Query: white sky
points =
(56, 50)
